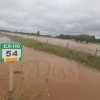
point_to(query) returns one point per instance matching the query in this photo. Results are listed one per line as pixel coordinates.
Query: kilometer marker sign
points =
(10, 52)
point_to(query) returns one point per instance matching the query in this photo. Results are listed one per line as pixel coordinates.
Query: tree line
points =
(81, 38)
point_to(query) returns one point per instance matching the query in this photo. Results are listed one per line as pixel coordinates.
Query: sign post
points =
(11, 77)
(10, 52)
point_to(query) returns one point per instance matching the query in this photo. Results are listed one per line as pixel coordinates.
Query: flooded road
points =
(65, 79)
(90, 48)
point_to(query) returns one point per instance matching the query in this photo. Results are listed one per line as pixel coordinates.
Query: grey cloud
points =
(52, 17)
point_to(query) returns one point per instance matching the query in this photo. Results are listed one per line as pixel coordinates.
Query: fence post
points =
(96, 51)
(67, 44)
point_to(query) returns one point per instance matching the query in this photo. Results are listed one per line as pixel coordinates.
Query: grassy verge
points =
(80, 56)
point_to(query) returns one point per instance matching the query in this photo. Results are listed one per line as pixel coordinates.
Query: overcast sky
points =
(52, 17)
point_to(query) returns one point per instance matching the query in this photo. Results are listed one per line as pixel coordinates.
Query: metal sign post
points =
(11, 70)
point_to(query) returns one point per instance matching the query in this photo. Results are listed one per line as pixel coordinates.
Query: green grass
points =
(80, 56)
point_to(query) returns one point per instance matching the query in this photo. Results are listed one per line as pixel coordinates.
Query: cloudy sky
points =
(52, 17)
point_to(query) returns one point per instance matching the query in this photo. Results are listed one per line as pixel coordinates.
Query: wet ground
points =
(65, 79)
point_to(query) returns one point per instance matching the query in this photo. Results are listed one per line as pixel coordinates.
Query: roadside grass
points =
(90, 60)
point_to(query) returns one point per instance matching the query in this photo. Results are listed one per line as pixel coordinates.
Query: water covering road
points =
(67, 79)
(90, 48)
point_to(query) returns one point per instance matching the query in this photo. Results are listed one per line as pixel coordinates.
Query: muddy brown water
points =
(66, 80)
(90, 48)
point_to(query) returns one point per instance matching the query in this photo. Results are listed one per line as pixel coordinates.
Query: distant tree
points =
(82, 37)
(86, 38)
(68, 36)
(98, 40)
(38, 33)
(77, 38)
(60, 36)
(48, 35)
(92, 39)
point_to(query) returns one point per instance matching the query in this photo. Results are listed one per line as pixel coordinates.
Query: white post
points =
(11, 77)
